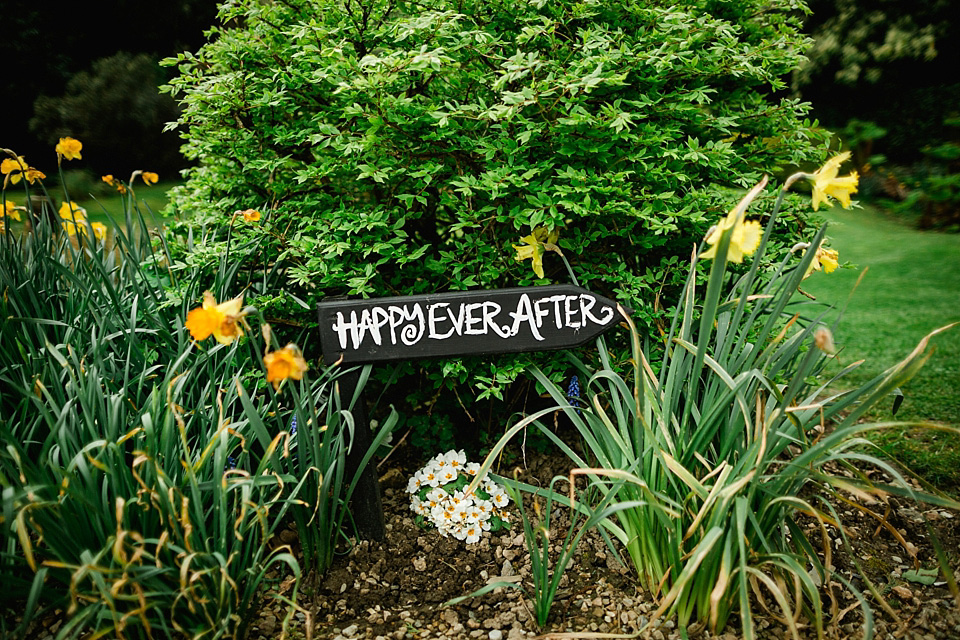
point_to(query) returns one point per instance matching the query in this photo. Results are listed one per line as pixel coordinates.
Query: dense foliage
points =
(403, 147)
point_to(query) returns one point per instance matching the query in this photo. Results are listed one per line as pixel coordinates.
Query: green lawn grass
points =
(151, 199)
(911, 286)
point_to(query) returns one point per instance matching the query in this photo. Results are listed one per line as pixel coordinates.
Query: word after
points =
(462, 323)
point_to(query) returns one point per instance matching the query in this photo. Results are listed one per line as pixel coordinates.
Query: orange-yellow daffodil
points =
(283, 364)
(10, 211)
(826, 183)
(69, 148)
(14, 169)
(744, 239)
(149, 177)
(826, 259)
(222, 321)
(535, 245)
(109, 179)
(250, 215)
(70, 211)
(31, 174)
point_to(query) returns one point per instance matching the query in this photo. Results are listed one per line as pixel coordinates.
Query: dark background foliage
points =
(892, 62)
(61, 71)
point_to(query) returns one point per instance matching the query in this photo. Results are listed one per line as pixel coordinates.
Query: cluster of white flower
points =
(437, 494)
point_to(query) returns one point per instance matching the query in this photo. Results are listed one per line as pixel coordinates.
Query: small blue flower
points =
(573, 393)
(293, 433)
(231, 463)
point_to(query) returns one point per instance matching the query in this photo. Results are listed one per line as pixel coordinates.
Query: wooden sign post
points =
(445, 325)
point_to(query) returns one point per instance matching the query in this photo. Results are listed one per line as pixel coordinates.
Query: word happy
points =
(409, 324)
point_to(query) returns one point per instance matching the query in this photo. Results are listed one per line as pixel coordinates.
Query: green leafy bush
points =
(402, 147)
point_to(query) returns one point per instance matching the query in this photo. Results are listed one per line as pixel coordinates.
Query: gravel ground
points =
(395, 589)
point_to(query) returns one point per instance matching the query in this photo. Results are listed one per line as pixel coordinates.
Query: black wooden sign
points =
(462, 323)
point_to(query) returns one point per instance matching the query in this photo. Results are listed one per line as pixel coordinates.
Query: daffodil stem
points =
(573, 276)
(800, 175)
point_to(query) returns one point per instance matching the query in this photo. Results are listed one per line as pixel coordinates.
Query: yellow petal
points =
(831, 167)
(842, 188)
(538, 262)
(231, 307)
(202, 322)
(830, 259)
(745, 240)
(229, 328)
(10, 165)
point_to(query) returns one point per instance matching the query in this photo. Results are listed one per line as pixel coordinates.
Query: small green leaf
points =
(921, 576)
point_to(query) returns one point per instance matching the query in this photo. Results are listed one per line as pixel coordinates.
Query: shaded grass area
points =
(911, 286)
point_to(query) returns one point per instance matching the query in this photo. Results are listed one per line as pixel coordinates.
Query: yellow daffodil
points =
(14, 169)
(13, 165)
(222, 321)
(70, 211)
(109, 179)
(283, 364)
(535, 245)
(99, 230)
(250, 215)
(826, 259)
(69, 148)
(149, 177)
(826, 183)
(10, 211)
(744, 239)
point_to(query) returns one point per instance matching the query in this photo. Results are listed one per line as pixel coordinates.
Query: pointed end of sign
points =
(629, 311)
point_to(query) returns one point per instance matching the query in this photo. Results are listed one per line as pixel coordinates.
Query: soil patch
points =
(395, 589)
